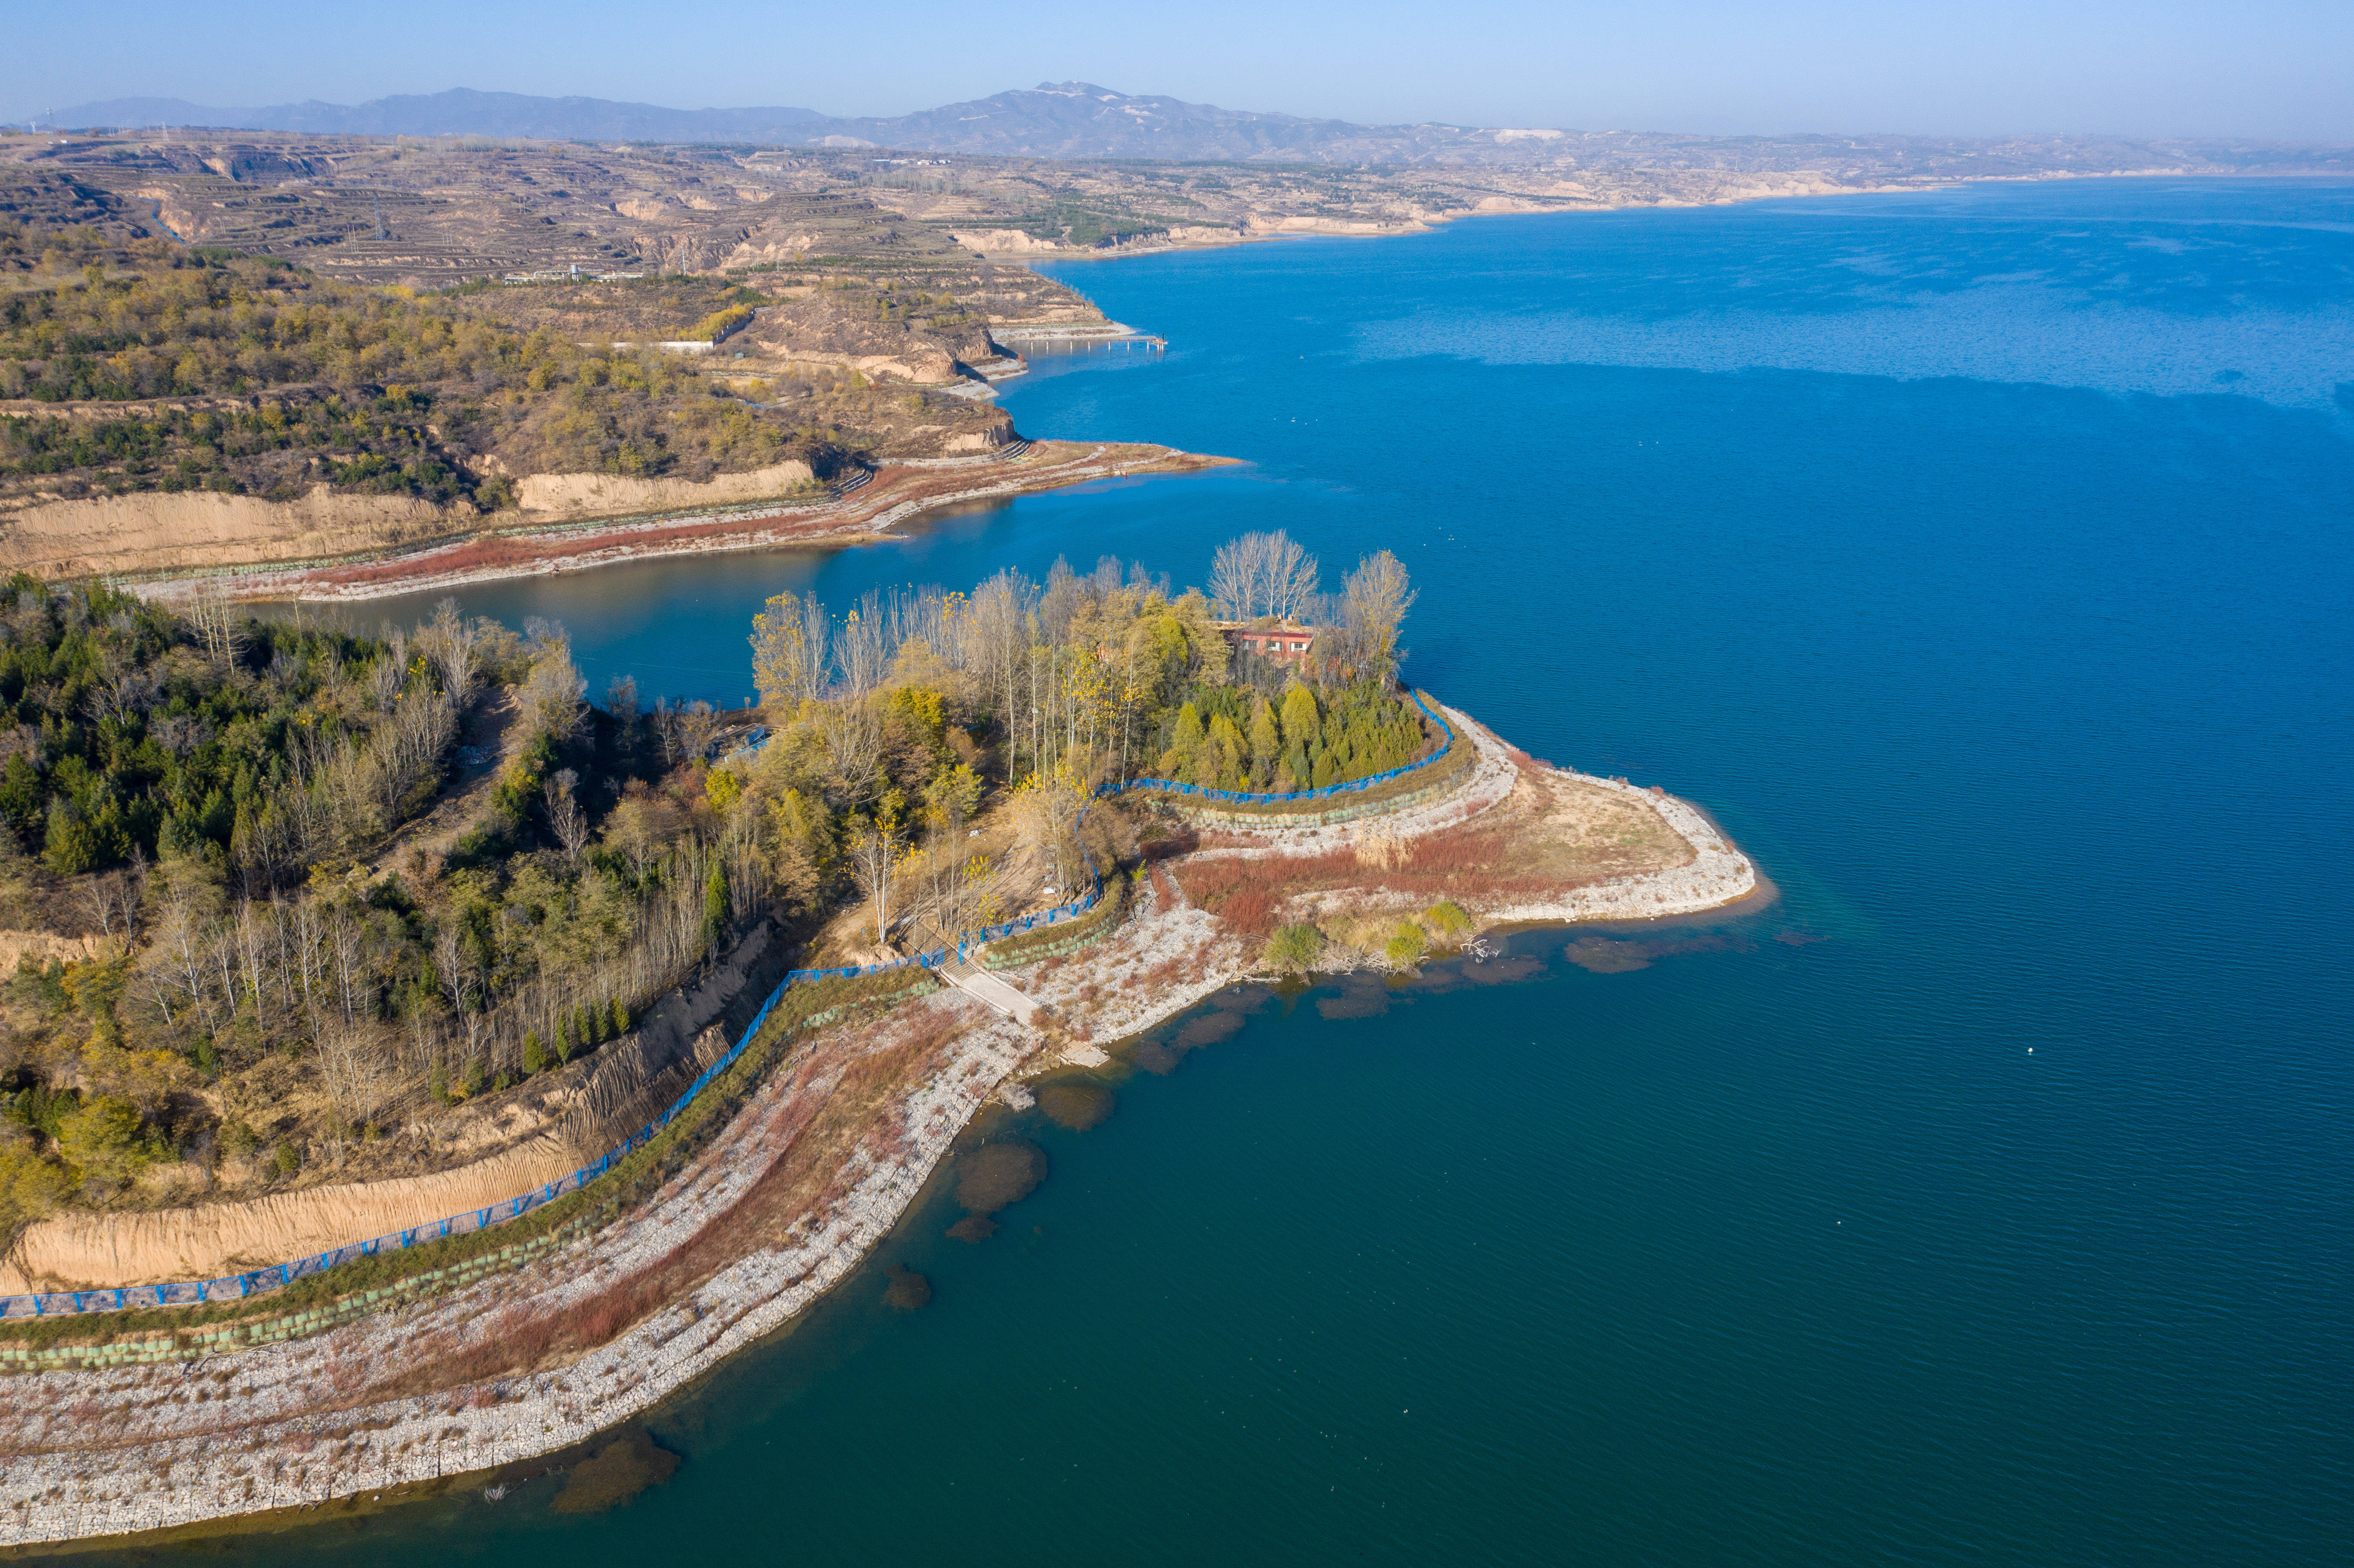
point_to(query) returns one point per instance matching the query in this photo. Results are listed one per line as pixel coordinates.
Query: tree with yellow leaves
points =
(789, 651)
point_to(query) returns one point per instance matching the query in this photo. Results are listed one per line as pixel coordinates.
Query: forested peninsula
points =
(317, 937)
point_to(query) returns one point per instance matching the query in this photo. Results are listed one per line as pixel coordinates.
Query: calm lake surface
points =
(1982, 560)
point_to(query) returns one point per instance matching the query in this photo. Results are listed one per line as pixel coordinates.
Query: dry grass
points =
(1551, 833)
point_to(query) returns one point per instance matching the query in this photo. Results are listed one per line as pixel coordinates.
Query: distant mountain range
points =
(461, 111)
(1065, 120)
(1077, 120)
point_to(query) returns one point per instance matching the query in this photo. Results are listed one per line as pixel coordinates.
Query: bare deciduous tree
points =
(219, 631)
(1263, 574)
(390, 671)
(1373, 606)
(551, 694)
(450, 968)
(454, 646)
(876, 843)
(353, 1069)
(860, 652)
(852, 734)
(564, 814)
(1048, 805)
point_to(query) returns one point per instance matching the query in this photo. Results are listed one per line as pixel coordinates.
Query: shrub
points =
(29, 1188)
(534, 1054)
(1448, 918)
(1407, 944)
(102, 1140)
(1295, 947)
(719, 323)
(290, 1158)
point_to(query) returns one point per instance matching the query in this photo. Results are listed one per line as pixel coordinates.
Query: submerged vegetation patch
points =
(907, 1289)
(1500, 971)
(1077, 1106)
(1209, 1027)
(998, 1174)
(1360, 996)
(1619, 955)
(615, 1473)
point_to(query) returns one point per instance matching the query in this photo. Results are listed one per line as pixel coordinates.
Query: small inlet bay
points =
(1980, 559)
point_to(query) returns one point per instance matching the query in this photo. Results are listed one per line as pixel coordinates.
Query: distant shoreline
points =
(1541, 206)
(900, 493)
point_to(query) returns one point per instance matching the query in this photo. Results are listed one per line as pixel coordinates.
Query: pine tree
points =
(1265, 743)
(715, 906)
(66, 846)
(1300, 718)
(1223, 755)
(1184, 745)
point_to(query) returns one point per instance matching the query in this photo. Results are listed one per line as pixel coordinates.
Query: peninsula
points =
(278, 995)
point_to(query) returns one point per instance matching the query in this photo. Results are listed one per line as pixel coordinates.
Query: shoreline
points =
(900, 493)
(1543, 206)
(150, 1474)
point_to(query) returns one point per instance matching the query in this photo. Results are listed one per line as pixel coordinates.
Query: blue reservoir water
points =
(1982, 560)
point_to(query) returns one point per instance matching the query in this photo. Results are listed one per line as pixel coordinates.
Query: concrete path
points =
(980, 983)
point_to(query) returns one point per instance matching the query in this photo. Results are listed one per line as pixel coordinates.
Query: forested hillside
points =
(139, 366)
(283, 380)
(281, 983)
(291, 970)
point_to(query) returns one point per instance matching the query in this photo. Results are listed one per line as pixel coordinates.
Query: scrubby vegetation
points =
(1081, 223)
(282, 380)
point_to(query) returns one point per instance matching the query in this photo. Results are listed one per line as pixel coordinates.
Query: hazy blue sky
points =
(2257, 68)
